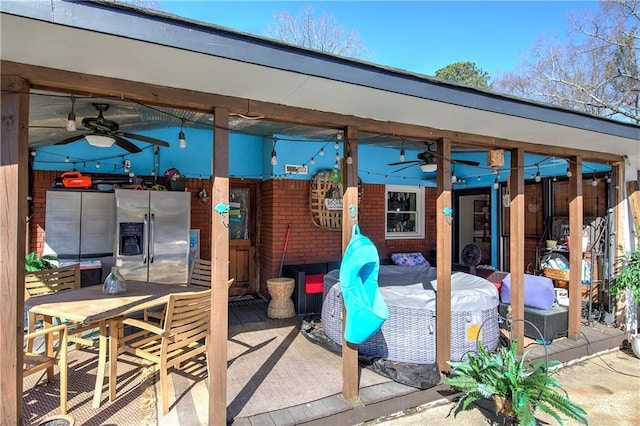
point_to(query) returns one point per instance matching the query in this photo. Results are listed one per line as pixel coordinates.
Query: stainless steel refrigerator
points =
(152, 235)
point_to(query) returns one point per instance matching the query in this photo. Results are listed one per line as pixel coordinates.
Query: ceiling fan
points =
(104, 133)
(428, 161)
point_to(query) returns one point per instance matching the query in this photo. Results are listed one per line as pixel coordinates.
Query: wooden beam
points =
(13, 205)
(633, 194)
(86, 84)
(443, 262)
(350, 376)
(620, 211)
(219, 272)
(516, 244)
(575, 247)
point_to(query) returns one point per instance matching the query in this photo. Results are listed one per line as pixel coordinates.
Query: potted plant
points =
(33, 262)
(628, 282)
(516, 389)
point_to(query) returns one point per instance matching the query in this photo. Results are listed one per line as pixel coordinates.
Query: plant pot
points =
(504, 407)
(635, 344)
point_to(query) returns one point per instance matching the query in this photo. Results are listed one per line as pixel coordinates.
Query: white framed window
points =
(404, 212)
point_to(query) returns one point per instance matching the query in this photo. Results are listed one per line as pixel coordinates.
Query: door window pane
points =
(238, 214)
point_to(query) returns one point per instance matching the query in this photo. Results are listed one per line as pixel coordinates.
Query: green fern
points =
(504, 373)
(33, 263)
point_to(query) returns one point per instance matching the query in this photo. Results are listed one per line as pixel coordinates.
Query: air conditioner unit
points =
(295, 169)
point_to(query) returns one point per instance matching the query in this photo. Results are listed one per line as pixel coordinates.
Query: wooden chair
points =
(184, 335)
(200, 276)
(50, 281)
(200, 273)
(35, 362)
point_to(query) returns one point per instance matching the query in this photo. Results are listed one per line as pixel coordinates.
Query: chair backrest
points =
(200, 273)
(187, 319)
(51, 280)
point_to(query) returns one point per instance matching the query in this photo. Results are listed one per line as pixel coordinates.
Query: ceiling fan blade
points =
(406, 167)
(125, 144)
(143, 138)
(405, 162)
(71, 139)
(467, 162)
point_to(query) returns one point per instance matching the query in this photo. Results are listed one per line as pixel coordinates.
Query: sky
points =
(416, 36)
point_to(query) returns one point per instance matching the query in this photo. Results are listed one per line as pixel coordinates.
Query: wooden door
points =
(242, 238)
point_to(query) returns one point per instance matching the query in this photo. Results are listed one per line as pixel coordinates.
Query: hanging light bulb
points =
(537, 178)
(321, 153)
(339, 135)
(555, 179)
(67, 159)
(336, 166)
(312, 161)
(336, 146)
(98, 165)
(33, 152)
(274, 156)
(569, 174)
(594, 181)
(71, 118)
(402, 152)
(349, 157)
(337, 156)
(454, 178)
(496, 183)
(608, 178)
(182, 141)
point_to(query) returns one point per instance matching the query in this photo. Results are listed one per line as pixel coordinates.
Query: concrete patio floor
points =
(276, 376)
(606, 385)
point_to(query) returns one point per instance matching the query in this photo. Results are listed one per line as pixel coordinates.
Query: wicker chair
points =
(184, 335)
(35, 362)
(49, 281)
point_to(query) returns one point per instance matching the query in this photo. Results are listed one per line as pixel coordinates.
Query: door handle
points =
(152, 242)
(145, 243)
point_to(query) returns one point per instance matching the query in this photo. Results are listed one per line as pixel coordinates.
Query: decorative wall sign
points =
(325, 199)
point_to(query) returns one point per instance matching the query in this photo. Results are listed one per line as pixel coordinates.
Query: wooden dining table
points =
(88, 305)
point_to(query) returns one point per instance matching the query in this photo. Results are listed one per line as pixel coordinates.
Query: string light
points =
(321, 152)
(312, 161)
(594, 181)
(537, 178)
(496, 182)
(182, 141)
(274, 156)
(67, 159)
(71, 118)
(402, 152)
(569, 174)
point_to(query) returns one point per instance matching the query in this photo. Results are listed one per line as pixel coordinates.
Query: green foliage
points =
(34, 263)
(629, 276)
(527, 387)
(466, 73)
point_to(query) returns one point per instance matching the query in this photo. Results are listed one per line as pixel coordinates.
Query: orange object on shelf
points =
(75, 180)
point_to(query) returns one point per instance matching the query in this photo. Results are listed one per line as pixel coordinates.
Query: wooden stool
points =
(281, 305)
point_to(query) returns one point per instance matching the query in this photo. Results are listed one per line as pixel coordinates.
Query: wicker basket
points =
(556, 274)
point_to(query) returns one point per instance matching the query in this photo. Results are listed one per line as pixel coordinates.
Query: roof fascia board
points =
(172, 31)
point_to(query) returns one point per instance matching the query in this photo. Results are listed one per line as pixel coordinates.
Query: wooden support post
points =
(350, 369)
(575, 246)
(620, 243)
(633, 193)
(219, 272)
(444, 217)
(516, 245)
(13, 205)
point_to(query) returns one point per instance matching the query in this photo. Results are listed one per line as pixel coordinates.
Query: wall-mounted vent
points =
(296, 170)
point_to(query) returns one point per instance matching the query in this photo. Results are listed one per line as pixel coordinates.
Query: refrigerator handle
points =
(145, 243)
(152, 239)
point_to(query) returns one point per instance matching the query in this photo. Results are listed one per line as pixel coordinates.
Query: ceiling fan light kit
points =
(100, 141)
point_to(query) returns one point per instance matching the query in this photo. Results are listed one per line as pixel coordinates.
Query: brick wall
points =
(287, 202)
(43, 180)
